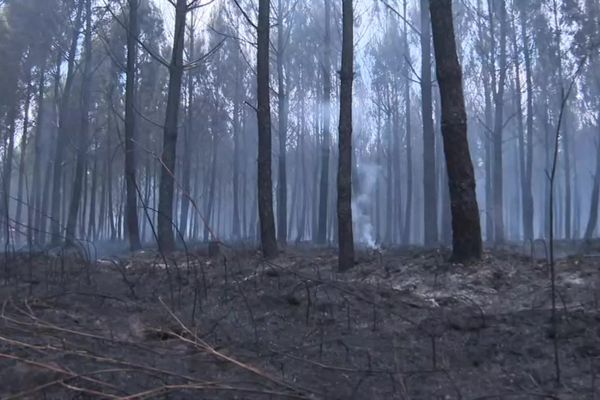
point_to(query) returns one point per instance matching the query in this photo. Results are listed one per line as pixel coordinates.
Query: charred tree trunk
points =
(265, 183)
(35, 211)
(131, 215)
(466, 230)
(344, 180)
(166, 238)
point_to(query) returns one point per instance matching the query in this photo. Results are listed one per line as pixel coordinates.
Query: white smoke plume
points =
(361, 205)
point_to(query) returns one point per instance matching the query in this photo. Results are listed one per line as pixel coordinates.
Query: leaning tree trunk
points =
(166, 238)
(131, 217)
(466, 230)
(265, 183)
(344, 180)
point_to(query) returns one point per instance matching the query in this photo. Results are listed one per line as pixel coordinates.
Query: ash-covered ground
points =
(403, 324)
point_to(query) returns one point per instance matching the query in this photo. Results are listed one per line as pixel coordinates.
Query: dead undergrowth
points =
(401, 325)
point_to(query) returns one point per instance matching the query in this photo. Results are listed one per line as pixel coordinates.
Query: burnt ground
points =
(401, 325)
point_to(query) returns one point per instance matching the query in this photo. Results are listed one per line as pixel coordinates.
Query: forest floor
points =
(403, 324)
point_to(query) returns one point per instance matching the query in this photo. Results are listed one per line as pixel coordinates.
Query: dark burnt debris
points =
(401, 325)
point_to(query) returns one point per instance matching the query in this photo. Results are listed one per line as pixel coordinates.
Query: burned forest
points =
(293, 199)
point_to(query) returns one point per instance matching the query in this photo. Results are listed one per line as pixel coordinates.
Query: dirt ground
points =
(403, 324)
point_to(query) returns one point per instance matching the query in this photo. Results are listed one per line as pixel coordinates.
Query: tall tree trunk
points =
(325, 140)
(409, 168)
(265, 183)
(520, 127)
(45, 201)
(131, 214)
(497, 169)
(208, 225)
(282, 108)
(398, 227)
(528, 196)
(35, 211)
(429, 182)
(565, 136)
(304, 173)
(344, 180)
(61, 140)
(93, 194)
(82, 145)
(487, 71)
(466, 230)
(188, 147)
(166, 238)
(23, 150)
(390, 221)
(236, 230)
(11, 123)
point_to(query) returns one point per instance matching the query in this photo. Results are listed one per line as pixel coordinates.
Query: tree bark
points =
(344, 180)
(133, 232)
(166, 238)
(466, 230)
(35, 212)
(265, 183)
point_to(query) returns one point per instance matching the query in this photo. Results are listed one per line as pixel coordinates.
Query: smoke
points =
(361, 205)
